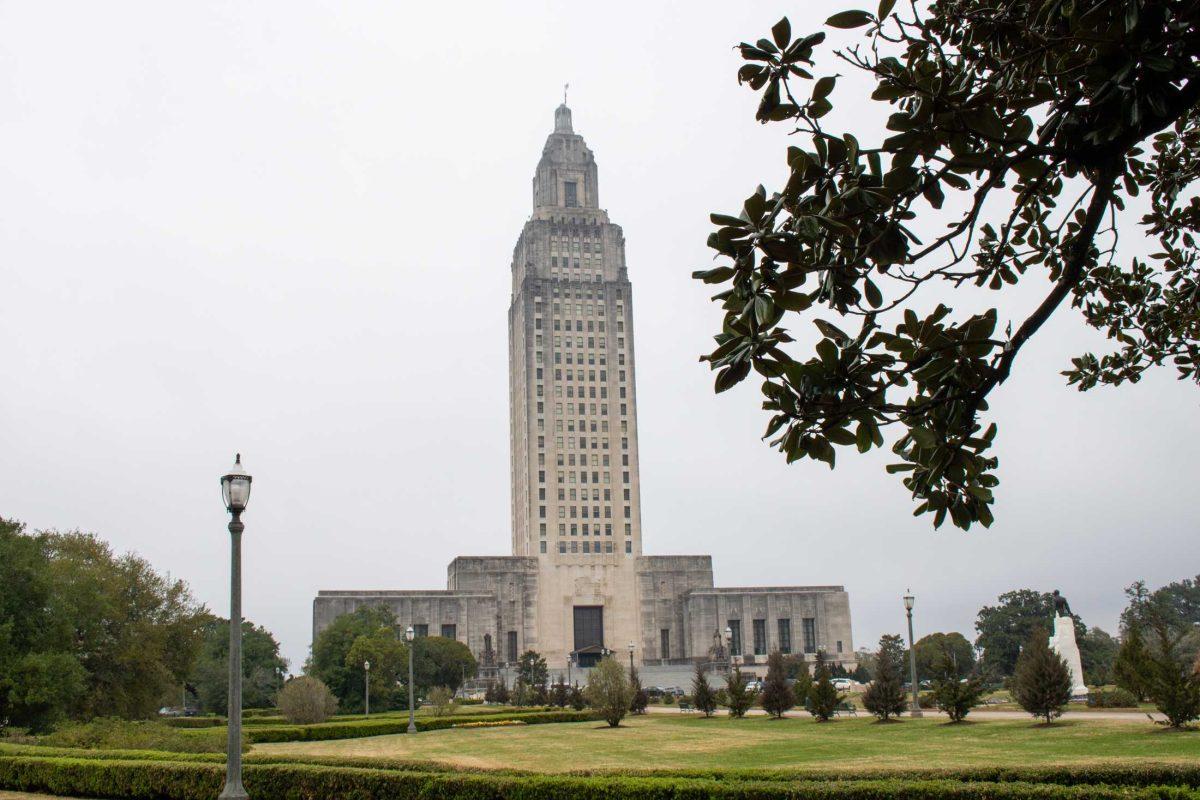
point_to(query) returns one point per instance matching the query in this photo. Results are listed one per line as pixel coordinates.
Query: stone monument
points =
(1063, 643)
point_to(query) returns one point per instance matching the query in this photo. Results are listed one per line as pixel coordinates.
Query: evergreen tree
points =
(823, 698)
(802, 685)
(1042, 679)
(559, 694)
(639, 701)
(1171, 678)
(575, 698)
(1132, 665)
(738, 697)
(703, 696)
(884, 697)
(777, 696)
(953, 695)
(501, 694)
(862, 674)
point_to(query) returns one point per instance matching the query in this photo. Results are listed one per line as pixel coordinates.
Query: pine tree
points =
(637, 705)
(1172, 682)
(558, 693)
(802, 685)
(954, 696)
(1132, 665)
(1042, 679)
(777, 696)
(703, 696)
(823, 698)
(884, 697)
(739, 698)
(576, 699)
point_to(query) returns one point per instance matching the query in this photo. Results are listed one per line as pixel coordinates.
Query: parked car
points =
(842, 684)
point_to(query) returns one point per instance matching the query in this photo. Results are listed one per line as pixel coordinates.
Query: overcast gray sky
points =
(286, 228)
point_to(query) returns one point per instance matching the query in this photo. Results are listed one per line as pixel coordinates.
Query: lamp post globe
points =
(235, 492)
(909, 602)
(409, 635)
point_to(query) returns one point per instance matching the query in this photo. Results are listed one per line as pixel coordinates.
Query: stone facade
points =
(577, 582)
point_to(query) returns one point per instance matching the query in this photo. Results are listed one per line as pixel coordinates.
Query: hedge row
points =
(193, 722)
(136, 780)
(1133, 775)
(381, 727)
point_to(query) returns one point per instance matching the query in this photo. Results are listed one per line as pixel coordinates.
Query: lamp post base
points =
(233, 791)
(916, 712)
(411, 727)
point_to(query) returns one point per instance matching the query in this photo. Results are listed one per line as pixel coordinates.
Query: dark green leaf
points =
(849, 19)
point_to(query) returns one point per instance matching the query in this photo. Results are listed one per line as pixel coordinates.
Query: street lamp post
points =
(235, 490)
(367, 686)
(570, 661)
(631, 646)
(909, 600)
(728, 648)
(409, 635)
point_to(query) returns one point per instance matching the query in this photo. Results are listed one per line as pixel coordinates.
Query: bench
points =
(845, 707)
(685, 707)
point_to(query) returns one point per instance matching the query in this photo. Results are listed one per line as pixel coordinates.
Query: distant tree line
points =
(87, 633)
(374, 634)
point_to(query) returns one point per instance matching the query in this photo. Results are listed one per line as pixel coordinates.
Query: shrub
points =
(668, 699)
(823, 698)
(1041, 683)
(121, 734)
(1111, 697)
(306, 700)
(608, 691)
(442, 700)
(777, 696)
(703, 696)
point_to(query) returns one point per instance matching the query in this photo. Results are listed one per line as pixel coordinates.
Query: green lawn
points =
(662, 742)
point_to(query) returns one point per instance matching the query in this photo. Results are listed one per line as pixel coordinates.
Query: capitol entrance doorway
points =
(589, 635)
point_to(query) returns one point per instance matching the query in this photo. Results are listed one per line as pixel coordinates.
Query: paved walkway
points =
(980, 713)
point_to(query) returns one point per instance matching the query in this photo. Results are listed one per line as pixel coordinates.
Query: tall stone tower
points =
(577, 584)
(575, 496)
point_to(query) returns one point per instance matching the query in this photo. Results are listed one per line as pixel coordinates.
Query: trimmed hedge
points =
(1133, 776)
(136, 780)
(381, 727)
(192, 722)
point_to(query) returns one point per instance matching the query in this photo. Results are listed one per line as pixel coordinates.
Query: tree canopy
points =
(1005, 627)
(85, 632)
(263, 668)
(1024, 136)
(932, 650)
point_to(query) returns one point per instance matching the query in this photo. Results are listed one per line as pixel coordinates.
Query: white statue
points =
(1063, 643)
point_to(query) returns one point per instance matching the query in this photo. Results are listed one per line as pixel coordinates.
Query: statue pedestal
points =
(1063, 643)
